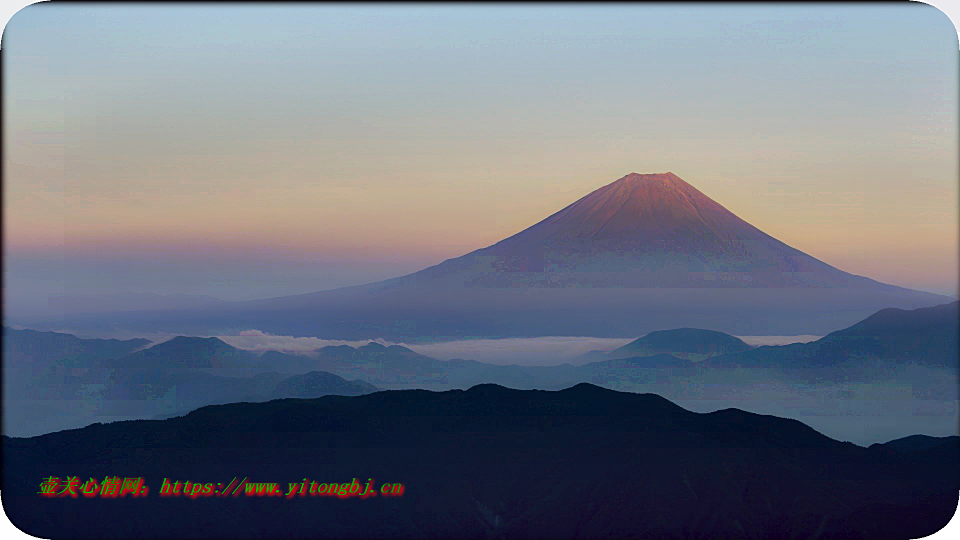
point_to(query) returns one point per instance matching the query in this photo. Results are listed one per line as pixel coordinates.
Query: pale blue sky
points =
(186, 144)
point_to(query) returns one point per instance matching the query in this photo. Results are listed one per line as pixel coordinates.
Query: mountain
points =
(58, 381)
(644, 230)
(830, 384)
(319, 383)
(925, 336)
(646, 252)
(186, 352)
(930, 335)
(181, 391)
(687, 343)
(915, 443)
(191, 372)
(210, 353)
(42, 373)
(379, 364)
(29, 348)
(487, 462)
(140, 393)
(33, 360)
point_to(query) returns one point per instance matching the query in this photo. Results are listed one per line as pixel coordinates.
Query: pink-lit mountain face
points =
(644, 230)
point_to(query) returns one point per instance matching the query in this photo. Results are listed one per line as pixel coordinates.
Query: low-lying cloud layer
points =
(539, 351)
(526, 351)
(777, 340)
(549, 350)
(255, 340)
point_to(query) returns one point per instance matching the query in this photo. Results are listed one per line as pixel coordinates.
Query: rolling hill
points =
(687, 343)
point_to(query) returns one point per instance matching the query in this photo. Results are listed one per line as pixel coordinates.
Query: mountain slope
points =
(919, 443)
(29, 348)
(488, 462)
(926, 336)
(377, 364)
(186, 352)
(644, 230)
(319, 383)
(931, 335)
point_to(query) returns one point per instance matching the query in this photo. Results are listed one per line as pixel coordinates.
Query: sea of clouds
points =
(548, 350)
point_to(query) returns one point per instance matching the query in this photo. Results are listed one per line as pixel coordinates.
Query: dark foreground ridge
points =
(489, 462)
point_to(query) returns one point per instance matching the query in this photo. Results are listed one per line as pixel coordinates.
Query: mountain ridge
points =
(630, 465)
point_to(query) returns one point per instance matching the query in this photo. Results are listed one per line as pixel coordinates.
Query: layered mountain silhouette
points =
(647, 252)
(489, 462)
(27, 348)
(915, 350)
(54, 381)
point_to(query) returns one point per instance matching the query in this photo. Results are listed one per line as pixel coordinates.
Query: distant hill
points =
(194, 371)
(31, 359)
(926, 336)
(919, 443)
(930, 335)
(317, 384)
(488, 462)
(30, 348)
(58, 381)
(687, 343)
(377, 364)
(674, 353)
(189, 352)
(186, 352)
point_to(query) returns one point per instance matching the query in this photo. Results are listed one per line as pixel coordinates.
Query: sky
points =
(246, 151)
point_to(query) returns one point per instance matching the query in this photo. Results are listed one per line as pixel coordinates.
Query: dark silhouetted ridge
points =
(519, 464)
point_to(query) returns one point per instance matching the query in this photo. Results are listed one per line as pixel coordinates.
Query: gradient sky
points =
(245, 151)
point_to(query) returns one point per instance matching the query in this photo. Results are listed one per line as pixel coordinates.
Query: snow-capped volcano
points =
(647, 252)
(644, 230)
